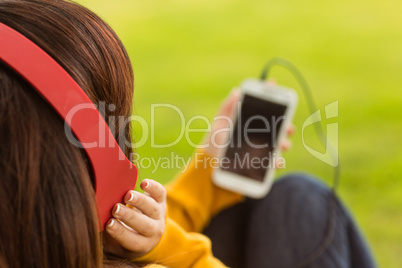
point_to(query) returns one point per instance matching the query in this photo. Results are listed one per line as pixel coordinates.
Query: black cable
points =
(323, 139)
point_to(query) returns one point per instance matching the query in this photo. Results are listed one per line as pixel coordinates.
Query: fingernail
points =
(146, 184)
(235, 92)
(117, 210)
(132, 197)
(111, 223)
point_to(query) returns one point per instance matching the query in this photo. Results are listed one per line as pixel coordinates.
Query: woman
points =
(48, 208)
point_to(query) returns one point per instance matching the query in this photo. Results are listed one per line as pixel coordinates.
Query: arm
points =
(193, 199)
(149, 237)
(179, 248)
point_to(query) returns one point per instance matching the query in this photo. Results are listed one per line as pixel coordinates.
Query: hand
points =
(135, 231)
(215, 140)
(218, 137)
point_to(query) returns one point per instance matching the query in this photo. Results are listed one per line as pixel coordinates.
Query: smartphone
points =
(247, 163)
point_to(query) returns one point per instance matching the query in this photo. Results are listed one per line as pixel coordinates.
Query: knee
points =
(295, 199)
(296, 194)
(299, 191)
(300, 184)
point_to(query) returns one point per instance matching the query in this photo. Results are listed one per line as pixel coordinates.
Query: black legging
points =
(286, 226)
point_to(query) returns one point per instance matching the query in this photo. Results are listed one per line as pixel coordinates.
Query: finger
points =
(154, 189)
(280, 163)
(290, 130)
(286, 145)
(137, 221)
(126, 238)
(229, 103)
(145, 204)
(271, 82)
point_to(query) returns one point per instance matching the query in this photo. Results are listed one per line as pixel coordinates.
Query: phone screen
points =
(254, 138)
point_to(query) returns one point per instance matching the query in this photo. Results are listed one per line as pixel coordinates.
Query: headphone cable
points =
(319, 250)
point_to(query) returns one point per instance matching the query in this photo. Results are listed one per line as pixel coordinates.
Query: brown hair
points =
(48, 211)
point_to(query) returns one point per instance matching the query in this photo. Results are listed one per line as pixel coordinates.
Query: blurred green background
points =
(191, 54)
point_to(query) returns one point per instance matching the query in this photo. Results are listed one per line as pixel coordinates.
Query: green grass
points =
(191, 54)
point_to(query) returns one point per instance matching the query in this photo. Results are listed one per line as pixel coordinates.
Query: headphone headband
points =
(114, 173)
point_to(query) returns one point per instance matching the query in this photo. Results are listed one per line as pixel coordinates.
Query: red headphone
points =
(114, 173)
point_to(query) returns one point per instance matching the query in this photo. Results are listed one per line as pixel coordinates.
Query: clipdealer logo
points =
(330, 141)
(330, 156)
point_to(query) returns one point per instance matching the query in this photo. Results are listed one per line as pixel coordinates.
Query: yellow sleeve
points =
(193, 199)
(178, 248)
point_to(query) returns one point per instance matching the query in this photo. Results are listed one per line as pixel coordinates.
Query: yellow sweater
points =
(192, 201)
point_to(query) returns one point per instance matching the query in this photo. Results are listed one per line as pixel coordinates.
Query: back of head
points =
(48, 209)
(45, 187)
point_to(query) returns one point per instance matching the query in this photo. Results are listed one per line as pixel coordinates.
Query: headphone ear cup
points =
(113, 173)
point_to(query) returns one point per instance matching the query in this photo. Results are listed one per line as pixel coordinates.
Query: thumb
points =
(229, 103)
